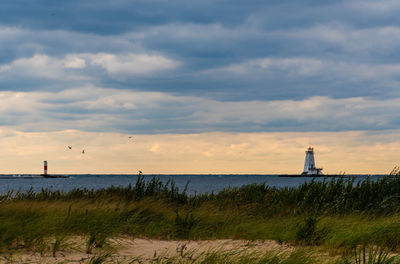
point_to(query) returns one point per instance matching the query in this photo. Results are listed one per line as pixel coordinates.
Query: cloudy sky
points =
(202, 86)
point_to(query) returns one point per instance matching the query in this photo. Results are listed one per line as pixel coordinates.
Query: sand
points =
(129, 250)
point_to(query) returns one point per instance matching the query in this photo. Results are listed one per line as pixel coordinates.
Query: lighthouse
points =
(45, 168)
(309, 164)
(45, 175)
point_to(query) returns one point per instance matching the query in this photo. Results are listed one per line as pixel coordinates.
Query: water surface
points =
(197, 183)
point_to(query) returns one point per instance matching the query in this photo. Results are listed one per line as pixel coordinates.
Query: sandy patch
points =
(128, 250)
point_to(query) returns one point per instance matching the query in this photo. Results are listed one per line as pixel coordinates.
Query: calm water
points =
(197, 183)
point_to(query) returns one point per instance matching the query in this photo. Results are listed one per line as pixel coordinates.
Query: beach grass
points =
(338, 215)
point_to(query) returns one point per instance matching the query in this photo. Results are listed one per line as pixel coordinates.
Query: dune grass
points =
(336, 214)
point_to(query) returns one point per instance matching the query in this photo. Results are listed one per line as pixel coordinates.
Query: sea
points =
(196, 184)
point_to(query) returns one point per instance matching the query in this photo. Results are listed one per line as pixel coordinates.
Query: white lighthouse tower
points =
(309, 165)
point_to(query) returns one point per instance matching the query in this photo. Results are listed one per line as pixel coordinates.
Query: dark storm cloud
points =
(118, 16)
(223, 51)
(115, 17)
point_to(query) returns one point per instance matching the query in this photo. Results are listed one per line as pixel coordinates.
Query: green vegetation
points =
(372, 256)
(338, 215)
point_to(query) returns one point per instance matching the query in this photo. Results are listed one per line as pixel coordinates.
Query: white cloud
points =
(98, 109)
(39, 66)
(118, 66)
(74, 62)
(43, 67)
(133, 64)
(320, 69)
(292, 66)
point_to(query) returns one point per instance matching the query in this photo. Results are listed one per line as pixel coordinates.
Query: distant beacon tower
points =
(45, 167)
(309, 164)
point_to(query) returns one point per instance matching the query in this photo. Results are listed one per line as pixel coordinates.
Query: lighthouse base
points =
(53, 176)
(313, 172)
(315, 175)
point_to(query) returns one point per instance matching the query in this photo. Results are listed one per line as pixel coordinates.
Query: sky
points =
(201, 86)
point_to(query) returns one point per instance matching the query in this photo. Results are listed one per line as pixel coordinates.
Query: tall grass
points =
(336, 196)
(336, 213)
(154, 188)
(371, 256)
